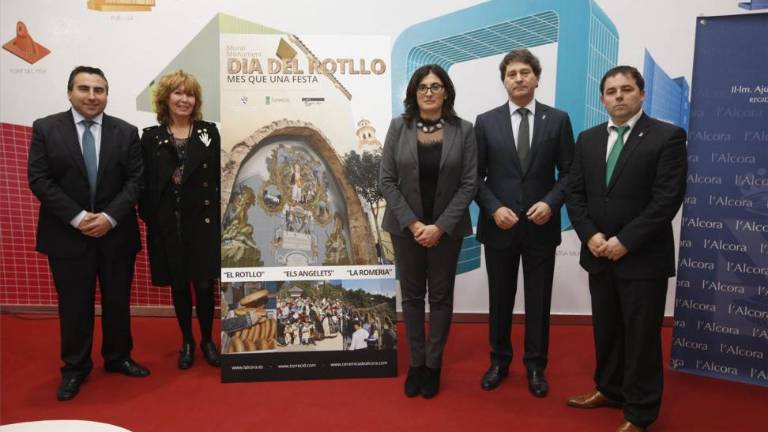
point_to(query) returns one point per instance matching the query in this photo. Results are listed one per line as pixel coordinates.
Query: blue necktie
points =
(89, 154)
(613, 156)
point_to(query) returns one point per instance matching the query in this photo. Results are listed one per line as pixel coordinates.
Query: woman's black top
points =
(429, 171)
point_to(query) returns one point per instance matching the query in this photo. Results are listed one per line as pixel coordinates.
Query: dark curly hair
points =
(411, 105)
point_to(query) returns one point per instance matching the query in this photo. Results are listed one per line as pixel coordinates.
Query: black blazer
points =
(456, 185)
(502, 182)
(58, 179)
(637, 206)
(199, 205)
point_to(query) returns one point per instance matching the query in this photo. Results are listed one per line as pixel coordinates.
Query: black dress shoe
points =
(493, 377)
(186, 355)
(537, 383)
(127, 367)
(211, 353)
(413, 381)
(68, 388)
(430, 382)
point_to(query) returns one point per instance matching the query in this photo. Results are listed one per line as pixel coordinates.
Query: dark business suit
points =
(637, 206)
(417, 265)
(57, 177)
(504, 182)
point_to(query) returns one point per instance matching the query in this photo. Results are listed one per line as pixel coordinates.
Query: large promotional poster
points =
(306, 292)
(721, 309)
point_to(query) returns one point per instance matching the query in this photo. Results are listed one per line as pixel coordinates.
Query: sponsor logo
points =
(309, 101)
(714, 327)
(726, 201)
(745, 268)
(755, 136)
(694, 305)
(708, 136)
(758, 374)
(736, 350)
(692, 263)
(751, 180)
(730, 158)
(685, 343)
(714, 367)
(747, 311)
(751, 226)
(721, 287)
(697, 222)
(724, 246)
(732, 112)
(701, 179)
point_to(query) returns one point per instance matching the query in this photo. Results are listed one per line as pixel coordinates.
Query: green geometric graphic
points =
(201, 58)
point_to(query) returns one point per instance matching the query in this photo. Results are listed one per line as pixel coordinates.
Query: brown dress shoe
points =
(592, 400)
(629, 427)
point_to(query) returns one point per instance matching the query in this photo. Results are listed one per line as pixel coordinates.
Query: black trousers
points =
(627, 315)
(425, 270)
(538, 270)
(75, 280)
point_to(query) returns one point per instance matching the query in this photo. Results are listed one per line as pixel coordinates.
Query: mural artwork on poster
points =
(308, 289)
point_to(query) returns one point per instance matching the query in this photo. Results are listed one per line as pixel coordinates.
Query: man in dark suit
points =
(626, 184)
(520, 146)
(85, 167)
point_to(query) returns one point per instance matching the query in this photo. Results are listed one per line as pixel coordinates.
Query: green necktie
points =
(610, 164)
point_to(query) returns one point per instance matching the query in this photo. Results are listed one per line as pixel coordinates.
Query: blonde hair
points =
(168, 84)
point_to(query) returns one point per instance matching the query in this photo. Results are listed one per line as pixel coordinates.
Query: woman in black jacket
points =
(180, 206)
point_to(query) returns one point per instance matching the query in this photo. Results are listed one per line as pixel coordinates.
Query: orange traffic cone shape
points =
(24, 46)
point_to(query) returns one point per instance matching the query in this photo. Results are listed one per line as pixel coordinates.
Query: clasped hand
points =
(539, 213)
(426, 235)
(607, 248)
(94, 225)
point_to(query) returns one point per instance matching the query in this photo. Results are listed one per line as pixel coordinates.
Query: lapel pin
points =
(543, 116)
(204, 138)
(640, 134)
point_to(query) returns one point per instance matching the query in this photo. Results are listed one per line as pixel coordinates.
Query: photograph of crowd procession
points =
(290, 316)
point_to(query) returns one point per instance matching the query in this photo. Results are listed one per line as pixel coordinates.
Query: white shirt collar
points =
(631, 122)
(79, 117)
(531, 107)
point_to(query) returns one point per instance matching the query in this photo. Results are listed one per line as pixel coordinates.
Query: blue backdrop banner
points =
(721, 307)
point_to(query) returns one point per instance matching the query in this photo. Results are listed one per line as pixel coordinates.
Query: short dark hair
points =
(521, 55)
(412, 106)
(625, 70)
(88, 70)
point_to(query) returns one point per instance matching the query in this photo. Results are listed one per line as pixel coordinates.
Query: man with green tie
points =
(626, 184)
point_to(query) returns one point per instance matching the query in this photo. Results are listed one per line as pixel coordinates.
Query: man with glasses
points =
(521, 144)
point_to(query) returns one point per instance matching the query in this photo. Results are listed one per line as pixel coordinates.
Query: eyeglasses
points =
(435, 87)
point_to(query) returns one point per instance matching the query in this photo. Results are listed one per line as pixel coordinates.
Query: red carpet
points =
(194, 400)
